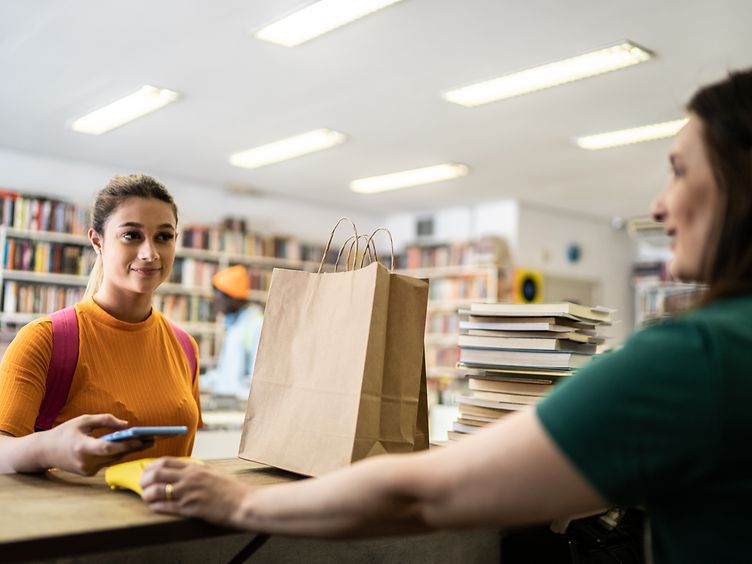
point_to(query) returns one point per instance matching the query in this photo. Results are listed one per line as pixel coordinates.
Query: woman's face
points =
(688, 205)
(138, 246)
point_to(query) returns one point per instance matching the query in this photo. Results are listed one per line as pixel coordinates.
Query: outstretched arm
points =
(67, 446)
(509, 474)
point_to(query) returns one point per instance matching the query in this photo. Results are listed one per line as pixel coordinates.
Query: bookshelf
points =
(43, 271)
(656, 295)
(459, 274)
(656, 299)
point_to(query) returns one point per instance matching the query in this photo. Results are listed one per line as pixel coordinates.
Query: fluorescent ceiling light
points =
(289, 148)
(317, 19)
(141, 102)
(408, 178)
(561, 72)
(633, 135)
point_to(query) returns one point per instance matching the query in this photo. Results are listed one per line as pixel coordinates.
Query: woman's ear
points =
(96, 241)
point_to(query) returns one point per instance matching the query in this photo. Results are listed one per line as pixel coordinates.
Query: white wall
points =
(461, 223)
(78, 182)
(607, 255)
(501, 219)
(538, 239)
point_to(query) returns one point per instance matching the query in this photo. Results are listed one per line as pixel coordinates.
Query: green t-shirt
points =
(666, 423)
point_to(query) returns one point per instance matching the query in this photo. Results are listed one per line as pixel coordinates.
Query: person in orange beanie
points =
(243, 320)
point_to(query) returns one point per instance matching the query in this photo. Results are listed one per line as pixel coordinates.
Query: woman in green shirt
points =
(662, 423)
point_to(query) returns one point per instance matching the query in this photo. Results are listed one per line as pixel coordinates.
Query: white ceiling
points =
(378, 80)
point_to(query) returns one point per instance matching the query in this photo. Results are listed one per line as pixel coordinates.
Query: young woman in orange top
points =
(131, 368)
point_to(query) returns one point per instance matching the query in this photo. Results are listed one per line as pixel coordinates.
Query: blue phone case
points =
(145, 433)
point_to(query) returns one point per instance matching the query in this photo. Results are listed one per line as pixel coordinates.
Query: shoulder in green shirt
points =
(665, 423)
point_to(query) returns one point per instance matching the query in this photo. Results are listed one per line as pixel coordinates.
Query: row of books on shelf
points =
(193, 273)
(658, 302)
(488, 250)
(259, 279)
(657, 295)
(208, 349)
(184, 308)
(233, 238)
(30, 298)
(38, 213)
(442, 322)
(40, 256)
(441, 357)
(474, 288)
(514, 354)
(62, 258)
(20, 297)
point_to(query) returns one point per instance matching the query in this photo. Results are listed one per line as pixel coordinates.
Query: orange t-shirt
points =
(136, 371)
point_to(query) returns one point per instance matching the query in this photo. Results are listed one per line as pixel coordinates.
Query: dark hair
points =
(109, 198)
(725, 109)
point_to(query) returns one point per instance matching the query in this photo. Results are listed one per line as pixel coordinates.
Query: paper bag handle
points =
(369, 243)
(331, 236)
(351, 240)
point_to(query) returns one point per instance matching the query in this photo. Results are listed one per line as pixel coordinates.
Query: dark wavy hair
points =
(725, 109)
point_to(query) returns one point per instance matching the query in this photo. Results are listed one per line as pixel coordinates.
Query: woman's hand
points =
(177, 487)
(70, 447)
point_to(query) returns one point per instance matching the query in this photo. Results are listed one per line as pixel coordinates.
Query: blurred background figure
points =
(242, 320)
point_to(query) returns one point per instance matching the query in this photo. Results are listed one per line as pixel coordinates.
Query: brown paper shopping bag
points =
(340, 370)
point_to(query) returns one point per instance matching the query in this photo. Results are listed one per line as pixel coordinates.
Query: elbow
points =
(422, 490)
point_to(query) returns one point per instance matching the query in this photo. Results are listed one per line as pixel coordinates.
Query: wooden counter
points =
(57, 513)
(57, 517)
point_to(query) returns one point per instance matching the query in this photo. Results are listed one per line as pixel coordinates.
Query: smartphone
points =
(146, 433)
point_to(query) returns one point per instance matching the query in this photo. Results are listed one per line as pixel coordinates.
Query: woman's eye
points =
(131, 235)
(165, 237)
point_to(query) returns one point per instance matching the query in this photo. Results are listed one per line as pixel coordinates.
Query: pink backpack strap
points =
(185, 343)
(62, 366)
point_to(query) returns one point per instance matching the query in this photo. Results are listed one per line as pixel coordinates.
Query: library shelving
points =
(43, 271)
(656, 295)
(459, 274)
(657, 299)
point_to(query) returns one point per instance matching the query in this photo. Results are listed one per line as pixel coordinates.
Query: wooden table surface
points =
(57, 513)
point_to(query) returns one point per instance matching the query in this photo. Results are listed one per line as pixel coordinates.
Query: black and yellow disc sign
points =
(527, 287)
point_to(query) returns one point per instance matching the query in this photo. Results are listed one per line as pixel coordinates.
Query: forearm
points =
(23, 454)
(509, 475)
(379, 496)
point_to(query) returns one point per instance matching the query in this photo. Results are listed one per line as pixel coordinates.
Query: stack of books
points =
(514, 354)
